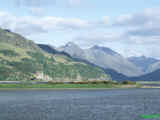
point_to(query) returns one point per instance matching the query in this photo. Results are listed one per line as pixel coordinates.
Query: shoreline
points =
(68, 86)
(63, 89)
(43, 85)
(1, 89)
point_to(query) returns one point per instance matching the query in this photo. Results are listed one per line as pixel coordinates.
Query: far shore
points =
(46, 85)
(69, 85)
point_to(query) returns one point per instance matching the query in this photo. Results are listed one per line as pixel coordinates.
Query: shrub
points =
(127, 82)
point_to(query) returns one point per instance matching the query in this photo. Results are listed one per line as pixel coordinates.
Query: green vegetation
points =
(94, 84)
(56, 86)
(82, 84)
(28, 67)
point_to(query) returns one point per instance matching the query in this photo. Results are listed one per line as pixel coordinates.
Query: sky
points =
(130, 27)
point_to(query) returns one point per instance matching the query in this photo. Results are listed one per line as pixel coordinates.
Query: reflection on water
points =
(78, 104)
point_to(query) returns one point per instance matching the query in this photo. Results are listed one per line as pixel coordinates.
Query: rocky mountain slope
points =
(103, 57)
(22, 59)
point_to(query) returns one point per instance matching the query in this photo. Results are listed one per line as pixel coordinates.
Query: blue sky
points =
(129, 27)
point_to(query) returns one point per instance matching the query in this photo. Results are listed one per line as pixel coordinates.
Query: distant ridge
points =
(143, 62)
(154, 76)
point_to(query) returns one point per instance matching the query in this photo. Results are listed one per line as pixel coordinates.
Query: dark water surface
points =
(122, 104)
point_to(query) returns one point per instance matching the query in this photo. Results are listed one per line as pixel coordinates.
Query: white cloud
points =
(144, 23)
(139, 32)
(139, 18)
(27, 25)
(97, 38)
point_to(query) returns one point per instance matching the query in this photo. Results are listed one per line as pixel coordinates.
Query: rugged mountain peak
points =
(102, 57)
(70, 44)
(105, 49)
(73, 49)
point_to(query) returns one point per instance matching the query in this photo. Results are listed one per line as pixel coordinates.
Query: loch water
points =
(104, 104)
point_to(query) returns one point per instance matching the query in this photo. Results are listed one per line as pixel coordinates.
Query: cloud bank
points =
(139, 31)
(34, 25)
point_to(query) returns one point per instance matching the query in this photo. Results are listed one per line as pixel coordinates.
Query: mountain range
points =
(144, 62)
(103, 57)
(22, 59)
(114, 64)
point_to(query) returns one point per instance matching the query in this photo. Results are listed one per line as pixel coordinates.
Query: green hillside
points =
(22, 60)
